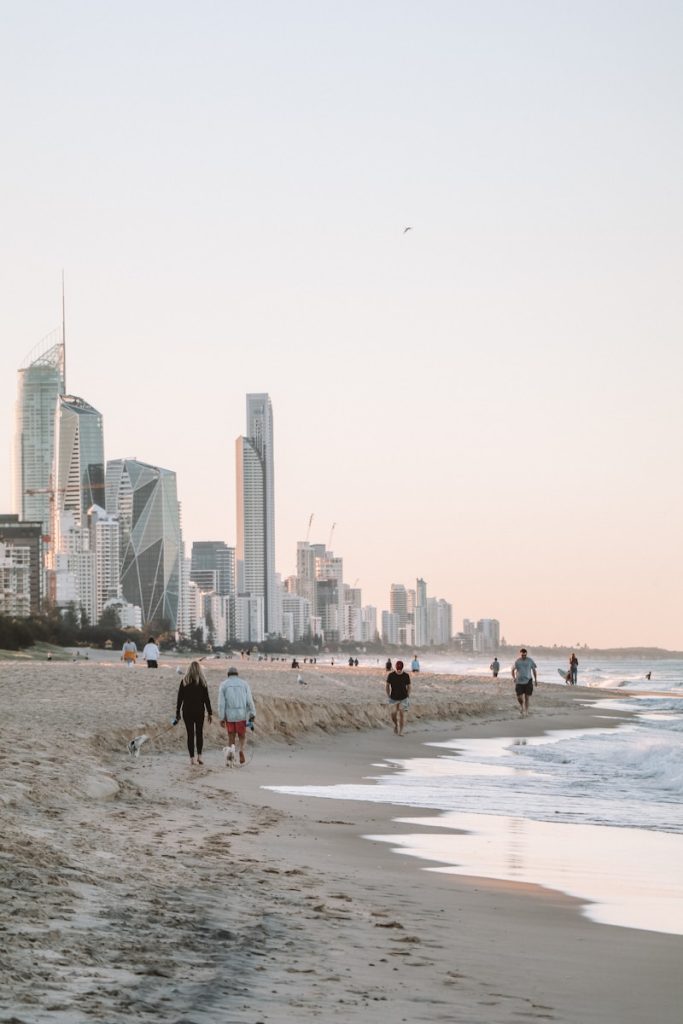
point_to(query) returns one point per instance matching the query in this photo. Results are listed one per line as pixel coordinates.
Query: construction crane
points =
(310, 523)
(329, 539)
(52, 493)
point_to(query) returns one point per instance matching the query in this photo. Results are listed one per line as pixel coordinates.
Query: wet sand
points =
(145, 889)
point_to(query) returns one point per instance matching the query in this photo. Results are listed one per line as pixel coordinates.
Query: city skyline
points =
(490, 401)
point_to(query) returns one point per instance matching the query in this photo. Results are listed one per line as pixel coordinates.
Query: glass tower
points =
(41, 382)
(146, 499)
(79, 458)
(256, 510)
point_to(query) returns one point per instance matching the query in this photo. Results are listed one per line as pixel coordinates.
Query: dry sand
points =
(147, 890)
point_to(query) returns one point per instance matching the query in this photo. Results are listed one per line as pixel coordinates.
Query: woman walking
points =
(193, 697)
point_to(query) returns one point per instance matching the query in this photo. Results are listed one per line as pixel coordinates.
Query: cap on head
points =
(399, 664)
(232, 671)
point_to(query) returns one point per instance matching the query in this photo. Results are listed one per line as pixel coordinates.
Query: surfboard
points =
(563, 672)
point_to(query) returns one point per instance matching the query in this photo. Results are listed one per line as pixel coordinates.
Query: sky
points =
(490, 401)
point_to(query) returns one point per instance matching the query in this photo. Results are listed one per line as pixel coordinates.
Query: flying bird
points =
(407, 229)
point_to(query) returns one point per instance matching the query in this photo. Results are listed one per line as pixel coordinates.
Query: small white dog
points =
(135, 744)
(230, 756)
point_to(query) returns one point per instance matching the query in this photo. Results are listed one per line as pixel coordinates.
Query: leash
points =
(136, 743)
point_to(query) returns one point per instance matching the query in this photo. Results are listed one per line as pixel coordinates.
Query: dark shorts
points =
(524, 688)
(152, 664)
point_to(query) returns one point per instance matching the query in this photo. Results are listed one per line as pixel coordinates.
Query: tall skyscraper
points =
(146, 499)
(421, 618)
(256, 511)
(79, 458)
(41, 382)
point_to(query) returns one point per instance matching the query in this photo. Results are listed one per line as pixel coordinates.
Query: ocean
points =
(595, 813)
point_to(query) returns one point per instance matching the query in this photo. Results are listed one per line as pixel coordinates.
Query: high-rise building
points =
(398, 602)
(369, 623)
(440, 621)
(255, 553)
(27, 539)
(298, 611)
(146, 500)
(15, 580)
(421, 618)
(105, 542)
(213, 566)
(78, 478)
(390, 627)
(79, 458)
(40, 383)
(307, 556)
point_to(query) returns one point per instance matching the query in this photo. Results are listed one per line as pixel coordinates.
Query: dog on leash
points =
(230, 756)
(135, 744)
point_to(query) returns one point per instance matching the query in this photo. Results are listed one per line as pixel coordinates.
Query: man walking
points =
(150, 653)
(235, 707)
(398, 693)
(524, 675)
(495, 667)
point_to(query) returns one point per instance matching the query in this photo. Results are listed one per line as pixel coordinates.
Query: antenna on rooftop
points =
(329, 540)
(308, 531)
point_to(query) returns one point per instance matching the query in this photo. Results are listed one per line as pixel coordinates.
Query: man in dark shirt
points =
(398, 693)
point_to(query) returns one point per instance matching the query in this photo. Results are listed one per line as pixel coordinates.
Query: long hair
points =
(194, 675)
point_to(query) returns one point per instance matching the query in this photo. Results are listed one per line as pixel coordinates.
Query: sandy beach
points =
(144, 889)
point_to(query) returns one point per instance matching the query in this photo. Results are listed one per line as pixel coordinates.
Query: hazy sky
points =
(491, 401)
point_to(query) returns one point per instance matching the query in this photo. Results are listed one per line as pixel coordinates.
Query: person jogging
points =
(193, 698)
(235, 707)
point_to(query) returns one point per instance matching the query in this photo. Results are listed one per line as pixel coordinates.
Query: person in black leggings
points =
(193, 697)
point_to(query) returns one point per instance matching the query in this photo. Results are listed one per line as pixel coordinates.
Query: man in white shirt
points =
(150, 653)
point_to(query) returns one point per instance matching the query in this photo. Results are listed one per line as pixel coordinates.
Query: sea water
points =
(595, 813)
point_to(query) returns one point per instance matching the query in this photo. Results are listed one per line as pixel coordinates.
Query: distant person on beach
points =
(295, 663)
(648, 675)
(525, 675)
(398, 694)
(150, 653)
(129, 653)
(495, 667)
(415, 666)
(235, 707)
(573, 669)
(388, 665)
(193, 698)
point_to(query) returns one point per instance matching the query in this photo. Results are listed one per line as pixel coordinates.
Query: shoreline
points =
(146, 888)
